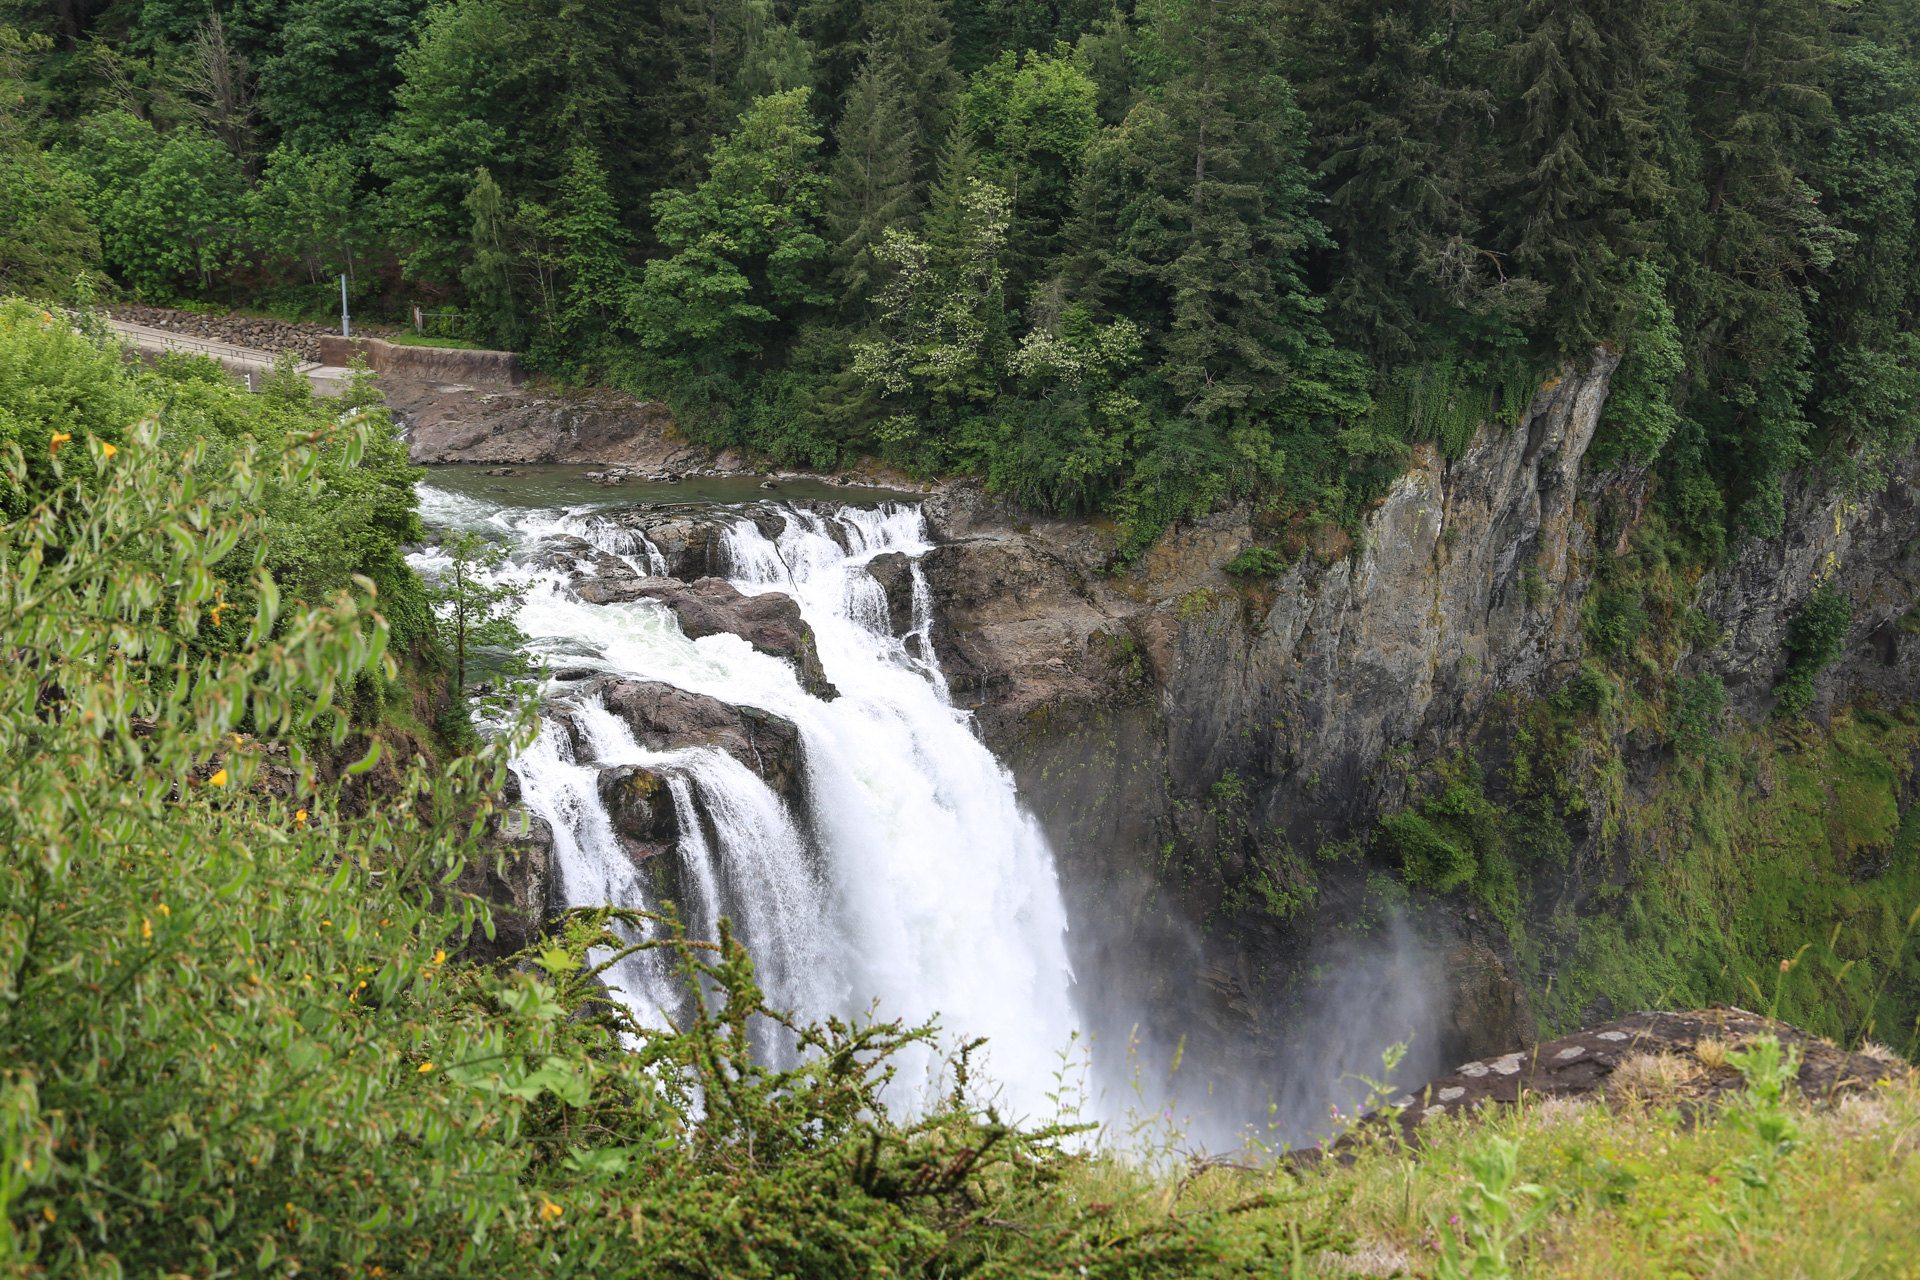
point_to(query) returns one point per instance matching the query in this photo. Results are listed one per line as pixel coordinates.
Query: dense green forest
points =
(1130, 259)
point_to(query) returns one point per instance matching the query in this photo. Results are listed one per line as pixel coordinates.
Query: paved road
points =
(249, 362)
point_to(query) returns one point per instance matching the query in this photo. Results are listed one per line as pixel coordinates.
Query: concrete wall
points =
(441, 364)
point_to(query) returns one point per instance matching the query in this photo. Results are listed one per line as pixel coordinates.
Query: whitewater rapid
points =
(911, 884)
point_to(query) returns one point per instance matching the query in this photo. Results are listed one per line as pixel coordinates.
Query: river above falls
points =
(549, 486)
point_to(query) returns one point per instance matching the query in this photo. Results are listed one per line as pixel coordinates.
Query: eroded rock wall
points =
(1168, 715)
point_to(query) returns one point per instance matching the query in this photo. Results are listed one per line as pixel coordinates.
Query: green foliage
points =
(472, 610)
(171, 208)
(56, 380)
(1699, 703)
(1761, 1112)
(308, 207)
(1494, 1215)
(747, 249)
(1640, 416)
(1430, 857)
(871, 189)
(1256, 562)
(1814, 640)
(331, 79)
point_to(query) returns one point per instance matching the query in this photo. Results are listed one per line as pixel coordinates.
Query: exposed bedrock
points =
(641, 809)
(770, 622)
(513, 871)
(664, 718)
(1169, 714)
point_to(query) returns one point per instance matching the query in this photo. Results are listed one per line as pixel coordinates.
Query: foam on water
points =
(912, 880)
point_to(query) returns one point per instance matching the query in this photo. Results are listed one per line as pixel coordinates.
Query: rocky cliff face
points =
(1210, 755)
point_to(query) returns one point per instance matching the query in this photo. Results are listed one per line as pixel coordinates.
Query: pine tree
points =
(595, 259)
(1590, 79)
(705, 43)
(1757, 104)
(777, 58)
(1227, 197)
(1402, 147)
(871, 182)
(916, 36)
(489, 273)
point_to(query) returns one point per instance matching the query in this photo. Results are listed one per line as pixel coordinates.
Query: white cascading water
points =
(917, 884)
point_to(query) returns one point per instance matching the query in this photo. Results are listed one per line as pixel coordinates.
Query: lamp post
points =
(346, 324)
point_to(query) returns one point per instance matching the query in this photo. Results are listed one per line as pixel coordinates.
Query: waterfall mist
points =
(907, 881)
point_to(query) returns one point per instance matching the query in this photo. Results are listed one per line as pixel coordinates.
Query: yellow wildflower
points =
(216, 611)
(163, 909)
(425, 1067)
(439, 956)
(59, 438)
(107, 450)
(219, 778)
(549, 1210)
(299, 817)
(146, 929)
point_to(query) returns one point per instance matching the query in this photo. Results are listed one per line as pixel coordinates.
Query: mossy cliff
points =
(1501, 756)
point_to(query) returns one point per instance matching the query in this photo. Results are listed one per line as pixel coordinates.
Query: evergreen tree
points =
(916, 37)
(706, 43)
(489, 272)
(871, 181)
(1590, 78)
(1757, 106)
(1198, 207)
(777, 56)
(595, 261)
(1403, 149)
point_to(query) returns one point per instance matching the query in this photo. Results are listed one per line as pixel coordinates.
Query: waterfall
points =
(910, 881)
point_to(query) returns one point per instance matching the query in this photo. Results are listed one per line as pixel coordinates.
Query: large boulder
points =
(664, 718)
(641, 808)
(771, 622)
(894, 572)
(513, 872)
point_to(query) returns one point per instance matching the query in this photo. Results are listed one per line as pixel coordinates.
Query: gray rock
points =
(641, 807)
(894, 573)
(664, 718)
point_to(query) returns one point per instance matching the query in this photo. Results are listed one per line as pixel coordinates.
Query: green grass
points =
(405, 339)
(1639, 1193)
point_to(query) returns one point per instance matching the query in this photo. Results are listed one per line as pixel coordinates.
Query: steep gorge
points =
(1212, 755)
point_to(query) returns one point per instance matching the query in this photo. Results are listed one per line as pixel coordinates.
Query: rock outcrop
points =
(894, 572)
(452, 422)
(1183, 734)
(513, 872)
(640, 806)
(664, 718)
(1645, 1060)
(770, 622)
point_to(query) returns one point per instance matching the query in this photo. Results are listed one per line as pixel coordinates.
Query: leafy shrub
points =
(1588, 693)
(1698, 704)
(1616, 619)
(1429, 858)
(1256, 562)
(1813, 642)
